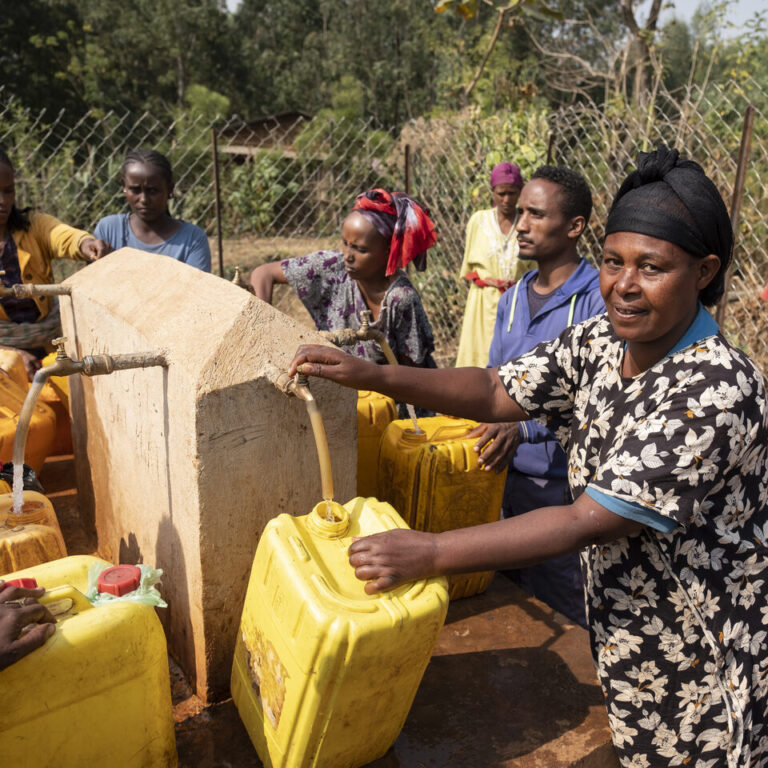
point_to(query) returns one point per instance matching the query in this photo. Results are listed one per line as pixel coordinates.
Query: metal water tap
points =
(30, 290)
(346, 336)
(365, 323)
(63, 365)
(97, 365)
(292, 386)
(240, 282)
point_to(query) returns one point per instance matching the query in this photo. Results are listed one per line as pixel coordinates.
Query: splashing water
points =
(412, 413)
(329, 516)
(18, 488)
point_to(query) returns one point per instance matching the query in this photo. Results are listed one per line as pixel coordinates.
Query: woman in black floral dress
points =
(666, 429)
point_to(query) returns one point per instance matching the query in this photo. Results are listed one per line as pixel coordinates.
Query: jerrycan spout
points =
(329, 520)
(63, 365)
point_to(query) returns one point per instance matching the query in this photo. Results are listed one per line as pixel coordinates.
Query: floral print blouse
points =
(334, 300)
(679, 619)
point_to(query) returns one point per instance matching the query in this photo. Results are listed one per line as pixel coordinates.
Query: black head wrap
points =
(673, 199)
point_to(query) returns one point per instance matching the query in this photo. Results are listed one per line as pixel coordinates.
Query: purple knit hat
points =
(506, 173)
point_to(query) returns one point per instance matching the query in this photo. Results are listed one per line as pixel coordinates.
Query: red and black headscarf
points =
(402, 221)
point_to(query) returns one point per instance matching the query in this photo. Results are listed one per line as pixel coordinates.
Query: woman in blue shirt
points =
(147, 180)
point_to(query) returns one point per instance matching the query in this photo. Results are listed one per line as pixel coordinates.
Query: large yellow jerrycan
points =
(324, 674)
(434, 481)
(97, 693)
(42, 426)
(374, 413)
(31, 537)
(13, 364)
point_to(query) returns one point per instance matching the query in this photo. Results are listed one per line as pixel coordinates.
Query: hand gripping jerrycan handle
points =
(65, 601)
(453, 431)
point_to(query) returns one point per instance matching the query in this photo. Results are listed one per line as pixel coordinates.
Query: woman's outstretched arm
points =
(388, 559)
(474, 393)
(263, 280)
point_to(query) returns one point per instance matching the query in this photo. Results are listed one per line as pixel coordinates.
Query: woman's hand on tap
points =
(334, 364)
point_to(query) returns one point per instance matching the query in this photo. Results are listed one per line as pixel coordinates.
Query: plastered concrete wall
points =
(183, 466)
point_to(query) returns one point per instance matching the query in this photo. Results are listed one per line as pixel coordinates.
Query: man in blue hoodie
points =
(553, 211)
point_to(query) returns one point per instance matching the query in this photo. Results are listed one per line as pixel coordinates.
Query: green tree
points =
(145, 54)
(37, 39)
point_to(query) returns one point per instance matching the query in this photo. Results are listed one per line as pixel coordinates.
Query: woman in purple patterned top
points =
(379, 237)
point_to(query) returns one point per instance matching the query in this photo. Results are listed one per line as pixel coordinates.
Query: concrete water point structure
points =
(182, 466)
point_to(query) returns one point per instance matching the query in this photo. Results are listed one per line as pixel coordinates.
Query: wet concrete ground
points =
(511, 684)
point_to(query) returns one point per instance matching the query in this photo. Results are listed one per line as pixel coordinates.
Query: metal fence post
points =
(407, 169)
(738, 192)
(217, 200)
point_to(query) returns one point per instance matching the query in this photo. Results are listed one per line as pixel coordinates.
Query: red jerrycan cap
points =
(119, 580)
(23, 583)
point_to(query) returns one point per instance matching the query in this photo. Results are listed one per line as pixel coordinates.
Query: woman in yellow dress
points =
(491, 264)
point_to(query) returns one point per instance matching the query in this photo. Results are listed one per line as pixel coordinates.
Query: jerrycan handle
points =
(65, 601)
(453, 431)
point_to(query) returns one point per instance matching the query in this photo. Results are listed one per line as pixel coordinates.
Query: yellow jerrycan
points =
(97, 693)
(374, 413)
(324, 674)
(12, 363)
(31, 537)
(434, 481)
(42, 426)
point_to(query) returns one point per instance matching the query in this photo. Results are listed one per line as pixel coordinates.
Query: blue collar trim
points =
(703, 325)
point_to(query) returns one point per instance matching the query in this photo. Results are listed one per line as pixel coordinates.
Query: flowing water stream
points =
(20, 442)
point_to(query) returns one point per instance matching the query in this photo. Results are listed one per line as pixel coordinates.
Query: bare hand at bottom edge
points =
(24, 624)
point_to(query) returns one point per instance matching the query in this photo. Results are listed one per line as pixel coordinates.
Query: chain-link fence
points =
(286, 182)
(706, 126)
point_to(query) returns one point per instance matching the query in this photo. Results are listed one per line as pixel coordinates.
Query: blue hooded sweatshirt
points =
(539, 454)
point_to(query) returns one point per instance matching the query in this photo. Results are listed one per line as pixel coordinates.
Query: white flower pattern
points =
(679, 621)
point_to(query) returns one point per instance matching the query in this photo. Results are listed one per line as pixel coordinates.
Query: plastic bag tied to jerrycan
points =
(324, 674)
(31, 537)
(434, 481)
(97, 693)
(374, 413)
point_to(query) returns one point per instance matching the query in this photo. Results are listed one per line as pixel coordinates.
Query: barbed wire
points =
(287, 181)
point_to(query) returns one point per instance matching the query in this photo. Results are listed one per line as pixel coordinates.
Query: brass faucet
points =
(96, 365)
(346, 336)
(63, 365)
(292, 386)
(238, 280)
